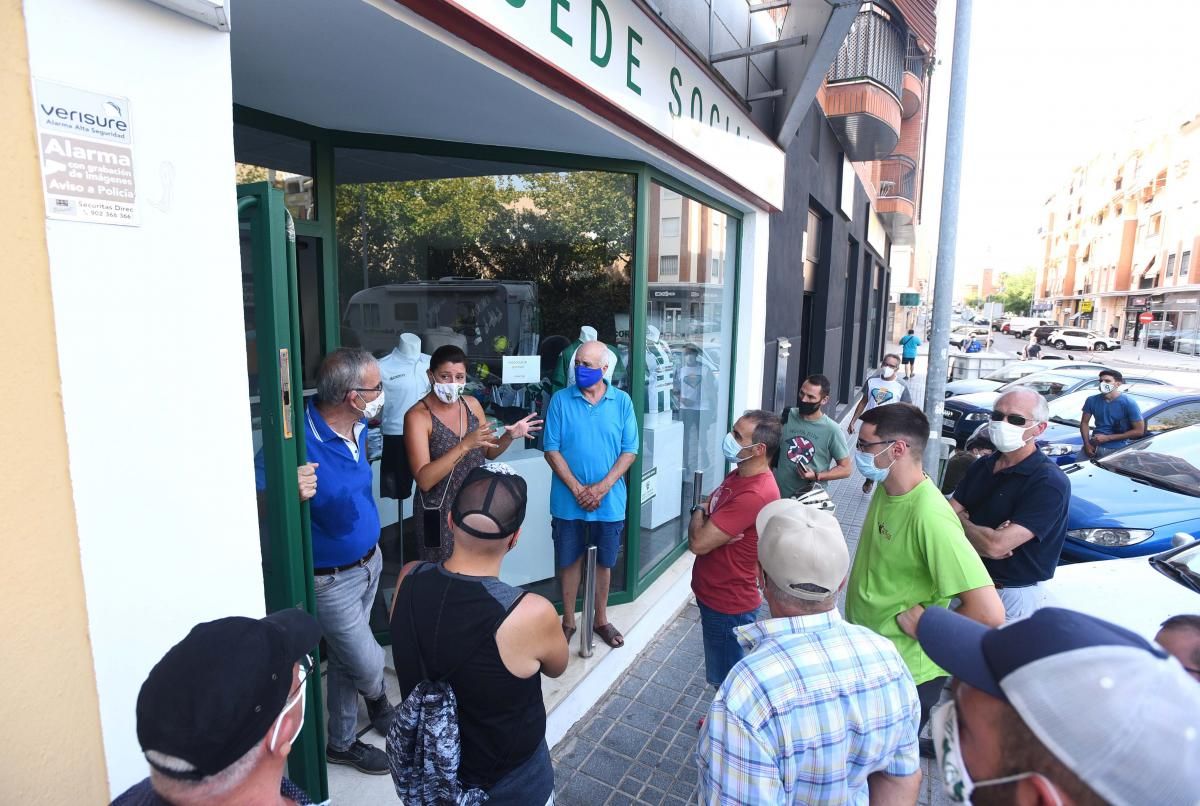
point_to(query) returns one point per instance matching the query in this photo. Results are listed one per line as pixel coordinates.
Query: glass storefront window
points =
(503, 261)
(285, 162)
(689, 325)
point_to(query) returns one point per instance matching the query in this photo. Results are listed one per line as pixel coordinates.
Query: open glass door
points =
(272, 314)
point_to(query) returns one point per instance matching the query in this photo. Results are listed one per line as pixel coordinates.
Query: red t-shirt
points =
(726, 579)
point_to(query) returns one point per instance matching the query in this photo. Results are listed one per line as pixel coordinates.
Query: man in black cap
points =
(456, 622)
(218, 714)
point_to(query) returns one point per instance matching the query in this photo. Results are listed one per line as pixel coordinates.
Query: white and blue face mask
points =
(865, 462)
(731, 449)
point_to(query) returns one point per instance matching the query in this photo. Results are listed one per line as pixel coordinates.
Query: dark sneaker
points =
(380, 712)
(361, 756)
(925, 748)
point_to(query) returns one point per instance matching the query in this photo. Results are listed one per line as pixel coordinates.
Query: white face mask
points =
(1107, 387)
(373, 407)
(302, 698)
(956, 780)
(886, 372)
(1006, 436)
(448, 392)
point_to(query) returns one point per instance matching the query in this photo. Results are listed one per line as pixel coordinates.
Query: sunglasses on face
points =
(1014, 419)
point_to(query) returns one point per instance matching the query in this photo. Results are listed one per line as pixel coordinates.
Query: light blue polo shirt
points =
(590, 438)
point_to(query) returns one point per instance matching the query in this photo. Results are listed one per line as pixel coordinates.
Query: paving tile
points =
(672, 678)
(614, 706)
(606, 765)
(649, 795)
(659, 696)
(626, 740)
(573, 752)
(630, 686)
(639, 772)
(595, 728)
(642, 717)
(620, 799)
(630, 786)
(662, 778)
(582, 791)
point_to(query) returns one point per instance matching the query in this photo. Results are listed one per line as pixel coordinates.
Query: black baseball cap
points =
(495, 492)
(214, 695)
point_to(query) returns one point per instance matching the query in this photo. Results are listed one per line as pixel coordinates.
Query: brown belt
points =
(366, 558)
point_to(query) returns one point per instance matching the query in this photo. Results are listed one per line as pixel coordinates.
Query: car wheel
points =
(1100, 347)
(1060, 345)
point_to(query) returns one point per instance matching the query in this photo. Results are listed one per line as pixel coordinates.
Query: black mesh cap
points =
(493, 492)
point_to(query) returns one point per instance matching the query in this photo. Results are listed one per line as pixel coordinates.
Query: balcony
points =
(912, 90)
(865, 84)
(897, 194)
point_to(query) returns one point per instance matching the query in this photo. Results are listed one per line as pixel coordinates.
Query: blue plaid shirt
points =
(816, 706)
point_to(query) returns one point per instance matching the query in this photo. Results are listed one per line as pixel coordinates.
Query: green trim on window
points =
(637, 386)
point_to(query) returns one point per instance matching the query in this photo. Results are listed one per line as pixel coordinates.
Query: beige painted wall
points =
(50, 745)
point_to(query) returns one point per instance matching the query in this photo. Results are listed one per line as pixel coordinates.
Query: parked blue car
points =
(1130, 503)
(964, 413)
(1162, 407)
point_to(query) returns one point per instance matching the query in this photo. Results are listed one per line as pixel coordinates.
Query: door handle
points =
(285, 391)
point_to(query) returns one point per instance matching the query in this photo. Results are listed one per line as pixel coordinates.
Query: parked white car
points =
(1138, 593)
(1012, 371)
(1068, 338)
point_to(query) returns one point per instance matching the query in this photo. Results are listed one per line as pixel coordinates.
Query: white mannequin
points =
(589, 333)
(404, 381)
(660, 372)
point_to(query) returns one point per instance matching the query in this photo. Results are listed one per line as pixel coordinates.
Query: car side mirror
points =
(1180, 539)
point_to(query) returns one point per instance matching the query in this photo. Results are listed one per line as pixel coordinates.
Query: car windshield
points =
(1166, 460)
(1183, 567)
(1011, 372)
(1048, 386)
(1065, 410)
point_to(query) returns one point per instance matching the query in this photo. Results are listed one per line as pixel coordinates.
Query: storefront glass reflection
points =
(515, 264)
(691, 269)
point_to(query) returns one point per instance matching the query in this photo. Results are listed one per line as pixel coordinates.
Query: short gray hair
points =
(796, 606)
(1041, 409)
(340, 373)
(209, 789)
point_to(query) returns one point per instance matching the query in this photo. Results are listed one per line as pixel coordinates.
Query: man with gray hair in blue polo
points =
(345, 547)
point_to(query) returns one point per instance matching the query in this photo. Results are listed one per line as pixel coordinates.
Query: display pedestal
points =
(663, 454)
(533, 558)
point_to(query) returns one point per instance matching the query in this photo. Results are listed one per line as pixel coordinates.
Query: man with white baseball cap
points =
(1061, 708)
(851, 726)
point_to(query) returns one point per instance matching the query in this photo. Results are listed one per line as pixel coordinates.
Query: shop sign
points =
(1138, 302)
(521, 369)
(910, 300)
(86, 150)
(649, 485)
(616, 50)
(1085, 306)
(876, 234)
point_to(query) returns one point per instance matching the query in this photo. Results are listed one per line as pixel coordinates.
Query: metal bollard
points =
(588, 621)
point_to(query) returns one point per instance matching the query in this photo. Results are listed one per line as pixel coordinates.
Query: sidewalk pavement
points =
(637, 745)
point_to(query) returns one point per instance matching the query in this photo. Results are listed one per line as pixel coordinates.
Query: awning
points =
(1151, 270)
(1078, 315)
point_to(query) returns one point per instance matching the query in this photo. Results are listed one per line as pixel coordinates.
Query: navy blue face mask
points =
(587, 377)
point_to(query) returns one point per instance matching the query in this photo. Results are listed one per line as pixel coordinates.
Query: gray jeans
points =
(344, 602)
(1020, 603)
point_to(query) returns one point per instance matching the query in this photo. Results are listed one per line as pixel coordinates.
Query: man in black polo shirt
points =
(1013, 504)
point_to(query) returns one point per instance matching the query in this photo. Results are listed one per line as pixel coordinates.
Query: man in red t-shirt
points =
(725, 542)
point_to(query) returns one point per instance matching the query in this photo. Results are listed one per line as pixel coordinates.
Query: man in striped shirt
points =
(820, 711)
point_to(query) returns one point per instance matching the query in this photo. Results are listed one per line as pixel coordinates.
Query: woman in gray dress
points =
(447, 434)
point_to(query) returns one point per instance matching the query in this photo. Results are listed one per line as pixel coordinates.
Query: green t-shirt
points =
(912, 551)
(813, 444)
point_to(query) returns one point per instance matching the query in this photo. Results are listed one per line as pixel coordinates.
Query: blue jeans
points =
(721, 648)
(532, 782)
(344, 602)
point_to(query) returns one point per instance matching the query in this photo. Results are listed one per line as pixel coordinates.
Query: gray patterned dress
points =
(442, 440)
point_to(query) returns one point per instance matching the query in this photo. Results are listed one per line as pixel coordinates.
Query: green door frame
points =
(287, 573)
(325, 142)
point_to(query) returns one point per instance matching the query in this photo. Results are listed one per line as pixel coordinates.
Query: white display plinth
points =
(663, 451)
(533, 558)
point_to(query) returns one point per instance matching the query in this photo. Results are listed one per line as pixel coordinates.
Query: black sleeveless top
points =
(501, 717)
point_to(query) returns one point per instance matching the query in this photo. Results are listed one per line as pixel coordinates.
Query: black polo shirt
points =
(1034, 493)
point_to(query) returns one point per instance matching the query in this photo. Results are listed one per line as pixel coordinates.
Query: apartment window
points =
(1170, 265)
(716, 270)
(668, 265)
(670, 227)
(1156, 223)
(1185, 264)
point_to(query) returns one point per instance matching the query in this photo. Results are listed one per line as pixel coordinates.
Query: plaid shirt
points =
(816, 706)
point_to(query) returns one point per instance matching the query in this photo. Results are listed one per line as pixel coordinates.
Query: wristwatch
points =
(699, 507)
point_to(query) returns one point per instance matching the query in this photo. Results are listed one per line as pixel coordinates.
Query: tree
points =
(1017, 295)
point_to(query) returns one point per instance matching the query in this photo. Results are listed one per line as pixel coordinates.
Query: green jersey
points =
(912, 551)
(809, 445)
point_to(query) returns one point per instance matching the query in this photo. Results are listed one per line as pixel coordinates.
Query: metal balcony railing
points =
(897, 177)
(915, 59)
(875, 49)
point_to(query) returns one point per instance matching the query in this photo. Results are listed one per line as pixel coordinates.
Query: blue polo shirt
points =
(1112, 416)
(590, 437)
(1034, 493)
(345, 520)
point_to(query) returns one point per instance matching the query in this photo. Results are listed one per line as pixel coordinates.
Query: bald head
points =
(593, 353)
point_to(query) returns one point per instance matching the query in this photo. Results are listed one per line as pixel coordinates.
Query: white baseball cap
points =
(802, 545)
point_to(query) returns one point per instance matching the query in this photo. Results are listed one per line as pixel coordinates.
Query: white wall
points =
(150, 342)
(752, 312)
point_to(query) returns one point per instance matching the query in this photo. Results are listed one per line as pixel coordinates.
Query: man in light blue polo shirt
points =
(591, 439)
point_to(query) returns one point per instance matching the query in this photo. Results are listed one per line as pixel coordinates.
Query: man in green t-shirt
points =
(912, 553)
(811, 447)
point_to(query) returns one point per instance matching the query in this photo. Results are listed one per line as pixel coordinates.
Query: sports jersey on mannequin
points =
(564, 368)
(660, 372)
(403, 372)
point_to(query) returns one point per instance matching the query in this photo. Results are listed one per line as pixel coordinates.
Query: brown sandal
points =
(610, 635)
(568, 632)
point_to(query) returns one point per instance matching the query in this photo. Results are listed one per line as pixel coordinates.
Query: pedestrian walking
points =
(881, 389)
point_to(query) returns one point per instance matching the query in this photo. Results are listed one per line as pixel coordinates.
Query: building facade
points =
(1118, 242)
(221, 194)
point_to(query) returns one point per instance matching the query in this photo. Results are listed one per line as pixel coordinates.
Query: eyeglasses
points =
(376, 388)
(1014, 419)
(862, 446)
